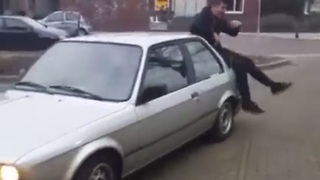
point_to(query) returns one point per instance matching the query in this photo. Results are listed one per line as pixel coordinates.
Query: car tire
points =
(223, 125)
(82, 32)
(99, 165)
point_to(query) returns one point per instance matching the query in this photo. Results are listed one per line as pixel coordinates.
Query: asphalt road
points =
(267, 45)
(282, 144)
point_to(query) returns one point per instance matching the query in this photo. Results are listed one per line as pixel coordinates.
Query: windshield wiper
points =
(35, 86)
(31, 84)
(77, 91)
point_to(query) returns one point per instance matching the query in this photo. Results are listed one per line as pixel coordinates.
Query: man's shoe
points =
(252, 107)
(280, 87)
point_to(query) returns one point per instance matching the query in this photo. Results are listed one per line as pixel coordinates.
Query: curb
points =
(298, 55)
(272, 65)
(303, 36)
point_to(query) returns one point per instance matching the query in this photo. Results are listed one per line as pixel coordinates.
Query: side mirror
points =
(152, 92)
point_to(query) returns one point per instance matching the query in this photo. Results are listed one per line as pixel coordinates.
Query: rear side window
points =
(16, 24)
(204, 61)
(56, 17)
(72, 16)
(1, 24)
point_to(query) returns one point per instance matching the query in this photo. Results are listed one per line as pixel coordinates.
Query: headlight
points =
(9, 173)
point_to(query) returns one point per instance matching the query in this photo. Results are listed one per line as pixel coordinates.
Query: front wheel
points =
(98, 168)
(223, 125)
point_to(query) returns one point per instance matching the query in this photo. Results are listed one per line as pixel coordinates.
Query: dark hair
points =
(21, 13)
(217, 2)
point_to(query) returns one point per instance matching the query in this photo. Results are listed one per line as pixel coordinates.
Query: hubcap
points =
(225, 120)
(101, 172)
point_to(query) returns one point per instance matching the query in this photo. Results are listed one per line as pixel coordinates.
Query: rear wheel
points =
(82, 32)
(223, 125)
(98, 168)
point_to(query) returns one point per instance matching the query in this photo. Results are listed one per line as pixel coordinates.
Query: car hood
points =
(52, 31)
(30, 120)
(56, 31)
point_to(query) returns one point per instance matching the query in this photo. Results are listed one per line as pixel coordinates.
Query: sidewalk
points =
(302, 36)
(269, 45)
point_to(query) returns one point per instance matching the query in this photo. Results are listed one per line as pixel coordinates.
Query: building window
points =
(236, 6)
(314, 7)
(187, 8)
(307, 8)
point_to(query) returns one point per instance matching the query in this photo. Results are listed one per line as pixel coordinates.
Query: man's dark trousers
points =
(241, 66)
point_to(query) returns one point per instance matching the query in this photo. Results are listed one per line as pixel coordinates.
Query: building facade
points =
(246, 11)
(112, 15)
(134, 15)
(33, 8)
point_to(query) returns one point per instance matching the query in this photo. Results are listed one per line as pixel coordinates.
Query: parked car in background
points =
(104, 106)
(71, 21)
(20, 33)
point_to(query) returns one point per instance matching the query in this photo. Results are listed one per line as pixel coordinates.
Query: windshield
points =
(106, 70)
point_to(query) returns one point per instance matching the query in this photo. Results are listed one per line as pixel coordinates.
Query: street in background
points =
(21, 33)
(72, 22)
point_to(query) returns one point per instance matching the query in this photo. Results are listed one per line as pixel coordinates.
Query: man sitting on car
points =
(208, 24)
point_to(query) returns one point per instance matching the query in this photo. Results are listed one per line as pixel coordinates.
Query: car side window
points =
(204, 61)
(55, 17)
(1, 24)
(166, 68)
(71, 16)
(16, 24)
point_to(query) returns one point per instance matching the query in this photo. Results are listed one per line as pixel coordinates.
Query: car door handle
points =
(195, 96)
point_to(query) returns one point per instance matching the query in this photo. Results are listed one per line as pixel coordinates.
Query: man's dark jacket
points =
(206, 24)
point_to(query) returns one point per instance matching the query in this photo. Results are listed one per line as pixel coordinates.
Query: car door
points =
(3, 35)
(19, 35)
(71, 23)
(211, 80)
(169, 119)
(55, 20)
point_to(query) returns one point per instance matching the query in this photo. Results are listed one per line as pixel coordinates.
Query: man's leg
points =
(248, 65)
(242, 83)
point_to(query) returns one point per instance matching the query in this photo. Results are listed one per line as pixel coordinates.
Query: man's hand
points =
(216, 38)
(235, 24)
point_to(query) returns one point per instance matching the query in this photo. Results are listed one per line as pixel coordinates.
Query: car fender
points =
(88, 150)
(226, 96)
(231, 94)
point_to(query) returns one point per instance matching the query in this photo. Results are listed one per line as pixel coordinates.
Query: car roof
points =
(14, 17)
(144, 39)
(25, 19)
(65, 11)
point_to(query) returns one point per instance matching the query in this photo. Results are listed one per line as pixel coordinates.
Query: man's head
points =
(218, 7)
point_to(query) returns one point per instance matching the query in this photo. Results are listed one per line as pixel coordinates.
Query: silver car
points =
(101, 107)
(71, 21)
